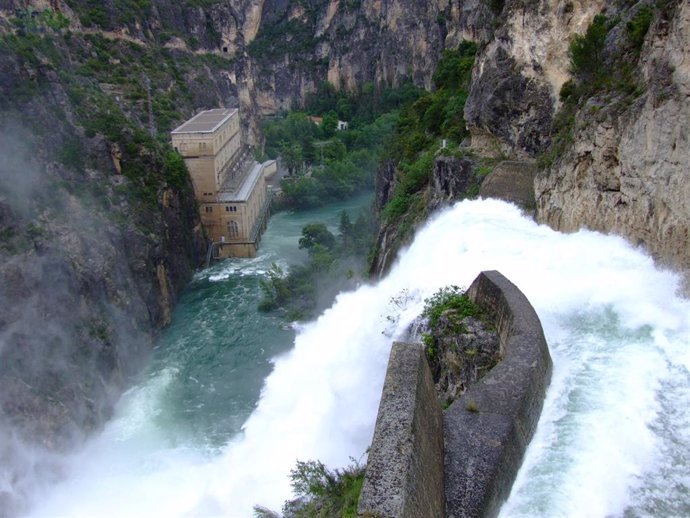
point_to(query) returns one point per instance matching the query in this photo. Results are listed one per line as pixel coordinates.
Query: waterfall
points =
(613, 436)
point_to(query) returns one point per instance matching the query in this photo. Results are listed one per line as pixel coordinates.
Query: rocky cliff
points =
(626, 168)
(99, 231)
(611, 143)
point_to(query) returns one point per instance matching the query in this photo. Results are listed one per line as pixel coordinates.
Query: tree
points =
(316, 234)
(586, 51)
(329, 124)
(292, 156)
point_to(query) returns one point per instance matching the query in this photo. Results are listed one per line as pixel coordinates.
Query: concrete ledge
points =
(511, 181)
(487, 430)
(404, 477)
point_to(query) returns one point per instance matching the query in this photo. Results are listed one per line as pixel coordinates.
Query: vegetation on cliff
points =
(88, 79)
(603, 64)
(321, 492)
(96, 216)
(433, 117)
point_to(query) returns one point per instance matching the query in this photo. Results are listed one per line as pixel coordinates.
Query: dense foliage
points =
(326, 164)
(333, 265)
(449, 298)
(435, 116)
(361, 107)
(321, 492)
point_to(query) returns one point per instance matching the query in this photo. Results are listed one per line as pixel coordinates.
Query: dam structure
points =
(229, 185)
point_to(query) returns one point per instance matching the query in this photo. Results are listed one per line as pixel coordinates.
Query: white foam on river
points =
(613, 434)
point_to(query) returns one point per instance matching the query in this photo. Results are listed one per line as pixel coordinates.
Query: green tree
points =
(454, 69)
(175, 170)
(292, 156)
(329, 124)
(587, 51)
(316, 234)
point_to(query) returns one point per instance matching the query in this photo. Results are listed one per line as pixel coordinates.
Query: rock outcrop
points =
(626, 171)
(519, 73)
(452, 179)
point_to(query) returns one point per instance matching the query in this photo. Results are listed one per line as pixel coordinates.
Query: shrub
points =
(636, 29)
(586, 51)
(322, 492)
(449, 298)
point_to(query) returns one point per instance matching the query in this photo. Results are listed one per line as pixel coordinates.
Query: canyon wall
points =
(626, 170)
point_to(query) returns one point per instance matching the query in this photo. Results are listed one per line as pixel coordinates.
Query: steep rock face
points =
(452, 179)
(519, 73)
(347, 43)
(627, 170)
(98, 229)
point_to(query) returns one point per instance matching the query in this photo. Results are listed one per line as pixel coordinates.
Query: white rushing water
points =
(614, 434)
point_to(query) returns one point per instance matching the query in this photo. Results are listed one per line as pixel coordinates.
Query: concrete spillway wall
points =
(466, 467)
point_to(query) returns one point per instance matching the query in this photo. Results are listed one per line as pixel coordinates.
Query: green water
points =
(217, 351)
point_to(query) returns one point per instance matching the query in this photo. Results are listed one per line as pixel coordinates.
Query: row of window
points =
(228, 208)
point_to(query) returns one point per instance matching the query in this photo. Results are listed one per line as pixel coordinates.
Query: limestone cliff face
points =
(519, 73)
(626, 171)
(347, 43)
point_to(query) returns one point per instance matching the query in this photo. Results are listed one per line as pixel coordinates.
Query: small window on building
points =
(225, 49)
(209, 209)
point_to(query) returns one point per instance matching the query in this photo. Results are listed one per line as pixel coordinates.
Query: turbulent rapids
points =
(614, 434)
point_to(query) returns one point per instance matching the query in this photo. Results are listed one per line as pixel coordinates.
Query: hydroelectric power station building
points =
(229, 184)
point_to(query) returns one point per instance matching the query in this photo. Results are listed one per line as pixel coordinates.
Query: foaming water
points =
(613, 438)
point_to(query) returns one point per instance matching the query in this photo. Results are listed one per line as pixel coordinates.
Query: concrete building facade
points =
(228, 184)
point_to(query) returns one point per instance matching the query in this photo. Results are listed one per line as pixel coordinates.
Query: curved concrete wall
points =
(484, 433)
(487, 430)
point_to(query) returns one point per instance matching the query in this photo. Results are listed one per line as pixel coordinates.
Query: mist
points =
(74, 324)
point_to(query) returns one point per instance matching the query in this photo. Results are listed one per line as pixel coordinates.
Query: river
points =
(233, 398)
